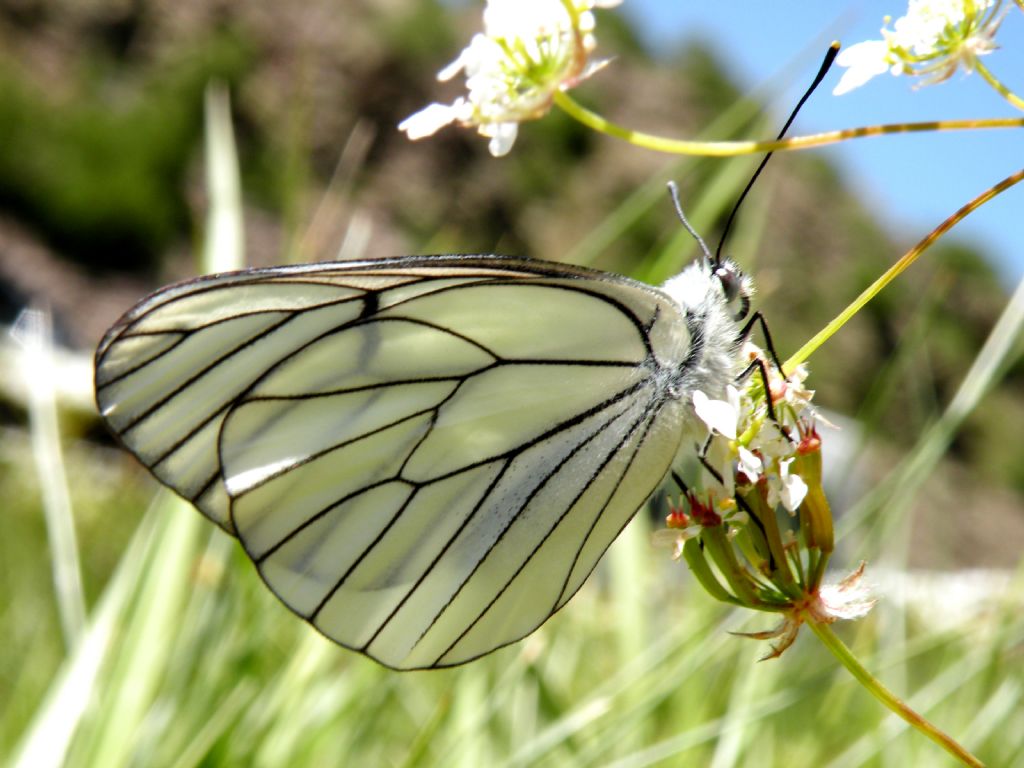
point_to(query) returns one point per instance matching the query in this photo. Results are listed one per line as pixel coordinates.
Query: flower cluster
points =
(744, 434)
(757, 445)
(529, 50)
(761, 450)
(933, 39)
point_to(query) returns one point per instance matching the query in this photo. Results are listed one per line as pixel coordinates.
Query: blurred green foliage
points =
(203, 667)
(100, 172)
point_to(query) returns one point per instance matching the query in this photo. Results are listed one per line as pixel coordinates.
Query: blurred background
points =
(103, 199)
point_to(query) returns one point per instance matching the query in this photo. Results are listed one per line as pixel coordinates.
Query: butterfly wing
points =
(424, 457)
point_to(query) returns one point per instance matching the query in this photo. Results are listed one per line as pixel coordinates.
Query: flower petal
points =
(863, 61)
(503, 136)
(431, 119)
(719, 415)
(674, 539)
(749, 464)
(793, 488)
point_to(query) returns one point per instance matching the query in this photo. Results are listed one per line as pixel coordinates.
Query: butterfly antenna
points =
(673, 190)
(826, 64)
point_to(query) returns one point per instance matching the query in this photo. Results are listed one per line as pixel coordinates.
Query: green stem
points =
(694, 555)
(905, 261)
(992, 80)
(721, 552)
(783, 576)
(887, 697)
(817, 563)
(730, 148)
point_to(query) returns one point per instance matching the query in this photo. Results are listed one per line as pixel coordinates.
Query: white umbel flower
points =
(933, 39)
(529, 50)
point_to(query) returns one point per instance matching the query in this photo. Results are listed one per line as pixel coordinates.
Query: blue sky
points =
(912, 182)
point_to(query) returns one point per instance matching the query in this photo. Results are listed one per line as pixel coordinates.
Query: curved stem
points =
(887, 697)
(992, 80)
(730, 148)
(890, 274)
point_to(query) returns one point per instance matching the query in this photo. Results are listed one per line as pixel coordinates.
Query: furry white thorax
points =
(695, 287)
(701, 296)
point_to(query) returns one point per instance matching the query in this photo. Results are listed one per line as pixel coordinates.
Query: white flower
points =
(719, 457)
(721, 416)
(674, 539)
(934, 38)
(930, 26)
(743, 441)
(746, 443)
(529, 50)
(790, 489)
(749, 464)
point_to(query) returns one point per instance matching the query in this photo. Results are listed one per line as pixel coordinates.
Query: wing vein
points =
(554, 431)
(586, 486)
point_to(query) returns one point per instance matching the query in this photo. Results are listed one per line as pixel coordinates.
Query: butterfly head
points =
(737, 287)
(710, 278)
(712, 285)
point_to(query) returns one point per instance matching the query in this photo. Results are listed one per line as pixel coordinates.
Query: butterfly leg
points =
(683, 487)
(758, 319)
(758, 366)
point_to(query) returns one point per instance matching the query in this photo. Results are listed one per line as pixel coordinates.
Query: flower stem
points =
(887, 697)
(890, 274)
(992, 80)
(730, 148)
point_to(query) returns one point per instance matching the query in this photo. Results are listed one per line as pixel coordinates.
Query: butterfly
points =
(424, 456)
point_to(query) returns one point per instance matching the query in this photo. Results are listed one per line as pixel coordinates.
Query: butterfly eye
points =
(736, 287)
